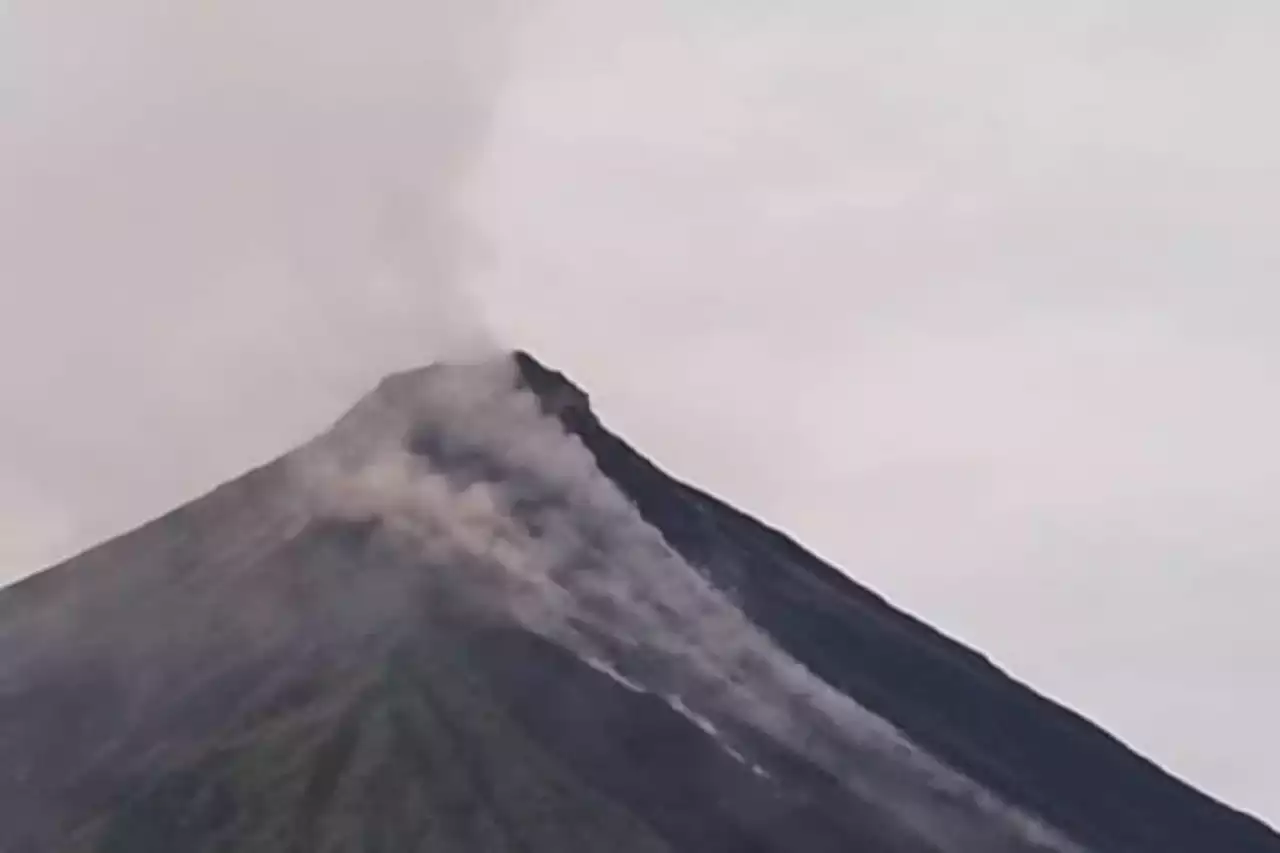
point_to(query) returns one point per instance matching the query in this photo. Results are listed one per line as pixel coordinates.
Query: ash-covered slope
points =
(468, 618)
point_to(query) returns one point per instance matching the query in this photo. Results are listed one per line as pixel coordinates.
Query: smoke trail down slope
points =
(474, 469)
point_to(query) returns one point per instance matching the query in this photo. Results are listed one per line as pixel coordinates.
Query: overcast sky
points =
(980, 303)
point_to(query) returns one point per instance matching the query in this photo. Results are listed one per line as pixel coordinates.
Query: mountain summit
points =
(469, 618)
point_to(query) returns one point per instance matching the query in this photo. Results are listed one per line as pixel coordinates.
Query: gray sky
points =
(980, 304)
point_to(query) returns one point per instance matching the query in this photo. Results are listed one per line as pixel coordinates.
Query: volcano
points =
(470, 618)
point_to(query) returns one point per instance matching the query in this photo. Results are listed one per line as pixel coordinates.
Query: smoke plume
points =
(236, 214)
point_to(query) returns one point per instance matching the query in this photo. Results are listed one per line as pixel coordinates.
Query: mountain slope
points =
(470, 618)
(945, 696)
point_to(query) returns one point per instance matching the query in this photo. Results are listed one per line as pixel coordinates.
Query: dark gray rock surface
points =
(253, 673)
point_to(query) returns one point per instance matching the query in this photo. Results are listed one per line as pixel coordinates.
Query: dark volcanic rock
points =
(438, 643)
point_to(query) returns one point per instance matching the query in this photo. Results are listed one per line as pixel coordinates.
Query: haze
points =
(979, 304)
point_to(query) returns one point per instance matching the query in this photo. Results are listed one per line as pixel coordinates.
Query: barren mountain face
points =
(468, 618)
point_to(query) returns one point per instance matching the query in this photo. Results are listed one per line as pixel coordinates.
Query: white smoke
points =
(219, 221)
(554, 542)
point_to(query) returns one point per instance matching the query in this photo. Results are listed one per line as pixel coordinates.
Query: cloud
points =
(30, 529)
(1000, 281)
